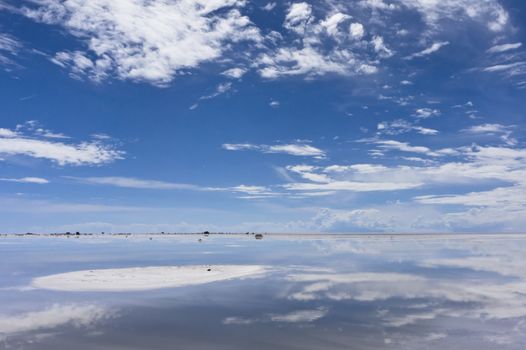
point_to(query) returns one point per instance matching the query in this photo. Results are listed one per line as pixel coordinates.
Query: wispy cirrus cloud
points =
(131, 182)
(244, 191)
(293, 149)
(502, 131)
(28, 180)
(430, 50)
(504, 47)
(297, 316)
(9, 49)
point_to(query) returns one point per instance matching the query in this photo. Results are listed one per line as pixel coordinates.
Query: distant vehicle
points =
(259, 236)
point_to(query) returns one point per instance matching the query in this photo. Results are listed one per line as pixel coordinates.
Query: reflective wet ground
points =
(319, 292)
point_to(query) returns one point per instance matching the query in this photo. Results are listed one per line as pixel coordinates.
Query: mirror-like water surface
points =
(281, 292)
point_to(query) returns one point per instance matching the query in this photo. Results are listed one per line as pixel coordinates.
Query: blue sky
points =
(225, 115)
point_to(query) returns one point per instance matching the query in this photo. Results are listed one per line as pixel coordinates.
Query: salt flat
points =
(144, 278)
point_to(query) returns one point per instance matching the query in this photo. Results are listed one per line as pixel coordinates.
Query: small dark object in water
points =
(259, 236)
(206, 233)
(208, 269)
(199, 240)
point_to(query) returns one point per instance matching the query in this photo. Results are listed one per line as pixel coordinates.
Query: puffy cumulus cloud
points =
(316, 44)
(76, 315)
(37, 145)
(424, 113)
(294, 149)
(298, 16)
(357, 30)
(142, 40)
(380, 48)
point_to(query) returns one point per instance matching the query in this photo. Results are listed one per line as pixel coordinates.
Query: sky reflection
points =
(334, 292)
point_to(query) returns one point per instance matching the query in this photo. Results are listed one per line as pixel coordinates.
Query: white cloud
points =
(8, 133)
(287, 61)
(9, 48)
(300, 316)
(274, 104)
(219, 90)
(130, 182)
(504, 47)
(238, 320)
(235, 73)
(269, 6)
(239, 146)
(472, 166)
(425, 113)
(406, 147)
(314, 46)
(144, 41)
(501, 197)
(380, 48)
(298, 16)
(331, 23)
(84, 153)
(357, 30)
(509, 69)
(504, 132)
(432, 49)
(297, 149)
(53, 317)
(356, 186)
(401, 126)
(321, 182)
(487, 12)
(29, 180)
(246, 191)
(9, 43)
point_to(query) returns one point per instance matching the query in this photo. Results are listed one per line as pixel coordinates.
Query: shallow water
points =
(320, 292)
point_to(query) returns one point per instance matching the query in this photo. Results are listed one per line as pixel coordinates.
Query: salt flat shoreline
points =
(271, 236)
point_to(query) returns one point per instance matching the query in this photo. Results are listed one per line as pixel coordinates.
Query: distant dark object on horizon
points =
(259, 236)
